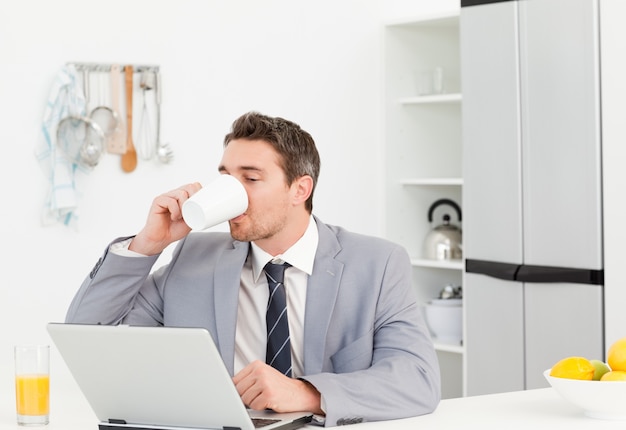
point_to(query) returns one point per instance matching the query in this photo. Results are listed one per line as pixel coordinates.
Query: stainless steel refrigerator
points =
(532, 192)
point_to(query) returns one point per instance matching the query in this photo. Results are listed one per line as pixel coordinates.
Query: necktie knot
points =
(276, 272)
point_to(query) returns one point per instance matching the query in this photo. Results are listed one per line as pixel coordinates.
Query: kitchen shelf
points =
(423, 156)
(448, 347)
(441, 19)
(433, 181)
(431, 99)
(438, 264)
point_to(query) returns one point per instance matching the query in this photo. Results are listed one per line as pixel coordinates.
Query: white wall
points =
(314, 62)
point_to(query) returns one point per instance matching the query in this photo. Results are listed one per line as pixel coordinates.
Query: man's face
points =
(256, 165)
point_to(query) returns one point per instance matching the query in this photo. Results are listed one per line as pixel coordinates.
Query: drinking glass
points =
(32, 384)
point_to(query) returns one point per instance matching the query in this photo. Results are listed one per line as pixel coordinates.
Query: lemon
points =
(614, 375)
(573, 368)
(616, 357)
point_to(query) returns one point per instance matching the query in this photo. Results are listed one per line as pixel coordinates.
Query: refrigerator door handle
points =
(466, 3)
(528, 273)
(536, 274)
(506, 271)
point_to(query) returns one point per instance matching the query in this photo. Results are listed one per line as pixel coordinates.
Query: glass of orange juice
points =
(32, 384)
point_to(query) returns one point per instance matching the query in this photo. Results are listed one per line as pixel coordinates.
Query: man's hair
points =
(298, 154)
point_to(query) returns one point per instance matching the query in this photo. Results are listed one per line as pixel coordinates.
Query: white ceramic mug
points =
(220, 200)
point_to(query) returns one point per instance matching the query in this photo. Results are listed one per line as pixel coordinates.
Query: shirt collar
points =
(300, 255)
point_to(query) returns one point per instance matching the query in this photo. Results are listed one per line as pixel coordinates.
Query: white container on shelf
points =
(445, 320)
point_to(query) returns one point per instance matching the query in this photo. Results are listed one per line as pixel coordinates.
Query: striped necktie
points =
(278, 353)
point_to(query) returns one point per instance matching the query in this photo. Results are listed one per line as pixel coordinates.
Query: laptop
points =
(158, 378)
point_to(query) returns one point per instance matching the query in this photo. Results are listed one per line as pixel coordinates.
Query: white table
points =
(528, 410)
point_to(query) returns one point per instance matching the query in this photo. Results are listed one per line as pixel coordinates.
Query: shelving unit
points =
(432, 181)
(437, 98)
(444, 264)
(423, 156)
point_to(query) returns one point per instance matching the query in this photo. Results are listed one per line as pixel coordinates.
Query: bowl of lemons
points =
(595, 386)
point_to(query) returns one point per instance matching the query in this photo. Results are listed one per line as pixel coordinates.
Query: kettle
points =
(444, 241)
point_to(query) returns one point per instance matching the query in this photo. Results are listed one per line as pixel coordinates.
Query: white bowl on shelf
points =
(445, 320)
(597, 399)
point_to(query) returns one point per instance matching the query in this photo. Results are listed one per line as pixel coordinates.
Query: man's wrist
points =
(121, 248)
(315, 403)
(140, 246)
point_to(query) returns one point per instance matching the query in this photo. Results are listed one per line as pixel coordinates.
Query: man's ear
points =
(303, 187)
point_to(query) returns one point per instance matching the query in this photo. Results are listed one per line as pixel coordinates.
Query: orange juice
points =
(32, 394)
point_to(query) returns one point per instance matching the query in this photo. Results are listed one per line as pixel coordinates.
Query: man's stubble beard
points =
(254, 231)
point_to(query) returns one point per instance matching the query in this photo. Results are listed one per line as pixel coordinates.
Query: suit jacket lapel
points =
(322, 290)
(226, 289)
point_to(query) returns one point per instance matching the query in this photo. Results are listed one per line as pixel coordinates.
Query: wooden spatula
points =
(129, 158)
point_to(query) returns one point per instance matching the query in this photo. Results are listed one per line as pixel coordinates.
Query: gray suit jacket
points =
(366, 346)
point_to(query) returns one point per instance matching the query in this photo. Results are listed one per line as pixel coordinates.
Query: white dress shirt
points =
(251, 332)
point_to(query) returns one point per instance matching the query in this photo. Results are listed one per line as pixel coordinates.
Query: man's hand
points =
(263, 387)
(165, 221)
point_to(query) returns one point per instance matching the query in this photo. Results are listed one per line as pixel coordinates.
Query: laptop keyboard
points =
(262, 422)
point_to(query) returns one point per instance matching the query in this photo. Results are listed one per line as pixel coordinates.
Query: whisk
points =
(146, 146)
(165, 154)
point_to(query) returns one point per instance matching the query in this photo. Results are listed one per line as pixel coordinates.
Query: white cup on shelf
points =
(430, 81)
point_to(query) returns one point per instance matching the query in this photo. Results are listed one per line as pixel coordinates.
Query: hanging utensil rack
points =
(104, 67)
(161, 151)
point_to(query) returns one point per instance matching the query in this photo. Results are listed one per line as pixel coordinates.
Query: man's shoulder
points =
(350, 238)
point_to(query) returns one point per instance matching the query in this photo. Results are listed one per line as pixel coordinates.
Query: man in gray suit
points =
(360, 350)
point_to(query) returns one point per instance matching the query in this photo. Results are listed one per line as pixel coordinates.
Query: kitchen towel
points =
(66, 98)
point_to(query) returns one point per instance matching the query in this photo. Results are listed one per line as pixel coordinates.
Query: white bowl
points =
(445, 322)
(598, 399)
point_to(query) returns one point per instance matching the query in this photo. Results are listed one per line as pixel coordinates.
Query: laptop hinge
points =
(117, 424)
(122, 425)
